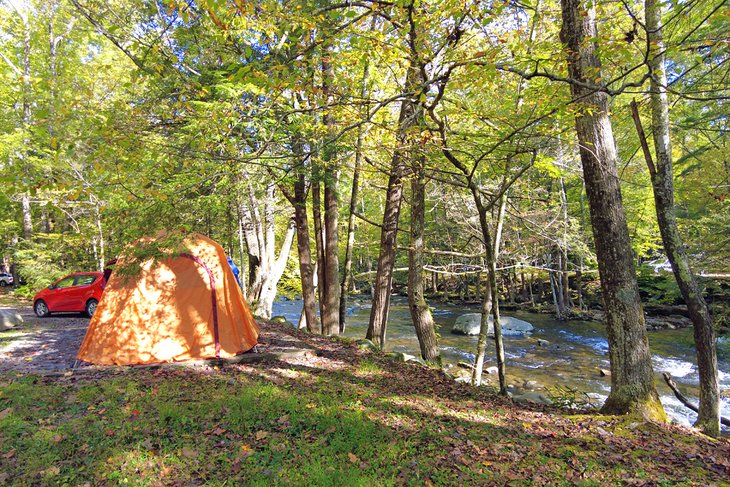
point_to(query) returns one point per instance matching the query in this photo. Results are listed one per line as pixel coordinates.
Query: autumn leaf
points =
(352, 457)
(261, 434)
(218, 431)
(5, 412)
(188, 452)
(9, 454)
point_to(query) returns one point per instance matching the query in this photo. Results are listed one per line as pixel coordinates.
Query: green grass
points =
(344, 418)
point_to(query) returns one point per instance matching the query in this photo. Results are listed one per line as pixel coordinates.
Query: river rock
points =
(470, 323)
(604, 372)
(404, 357)
(534, 397)
(492, 370)
(542, 343)
(9, 318)
(281, 320)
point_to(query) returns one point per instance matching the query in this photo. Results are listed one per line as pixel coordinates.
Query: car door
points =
(57, 299)
(76, 296)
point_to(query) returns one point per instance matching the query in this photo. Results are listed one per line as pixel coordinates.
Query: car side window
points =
(84, 280)
(67, 282)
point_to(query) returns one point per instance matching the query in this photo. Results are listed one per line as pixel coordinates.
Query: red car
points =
(78, 293)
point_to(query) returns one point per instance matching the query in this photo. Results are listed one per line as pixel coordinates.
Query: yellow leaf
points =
(352, 457)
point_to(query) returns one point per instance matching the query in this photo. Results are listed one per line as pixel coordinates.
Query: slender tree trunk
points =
(347, 271)
(476, 377)
(309, 296)
(409, 117)
(420, 314)
(331, 275)
(319, 239)
(662, 179)
(265, 301)
(632, 377)
(27, 87)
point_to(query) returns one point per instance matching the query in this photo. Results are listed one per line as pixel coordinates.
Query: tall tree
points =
(662, 180)
(632, 378)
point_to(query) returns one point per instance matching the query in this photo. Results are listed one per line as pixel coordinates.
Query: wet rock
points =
(530, 384)
(542, 343)
(604, 372)
(492, 370)
(467, 324)
(470, 323)
(9, 318)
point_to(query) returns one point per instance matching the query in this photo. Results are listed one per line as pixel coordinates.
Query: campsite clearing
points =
(340, 415)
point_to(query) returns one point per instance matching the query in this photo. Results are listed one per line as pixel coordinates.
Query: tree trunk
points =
(662, 179)
(420, 314)
(331, 282)
(265, 300)
(632, 377)
(476, 377)
(408, 118)
(305, 257)
(347, 271)
(319, 239)
(27, 87)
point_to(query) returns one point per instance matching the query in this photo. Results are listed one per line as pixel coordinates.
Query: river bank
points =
(561, 360)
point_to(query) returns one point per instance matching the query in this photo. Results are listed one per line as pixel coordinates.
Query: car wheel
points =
(91, 307)
(41, 309)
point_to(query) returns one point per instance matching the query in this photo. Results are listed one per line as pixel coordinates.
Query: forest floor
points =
(338, 416)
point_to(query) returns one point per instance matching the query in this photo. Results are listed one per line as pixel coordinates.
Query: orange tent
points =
(180, 308)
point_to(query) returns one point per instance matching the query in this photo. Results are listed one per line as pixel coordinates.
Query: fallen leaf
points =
(5, 412)
(261, 434)
(218, 431)
(352, 457)
(57, 439)
(330, 430)
(9, 454)
(189, 452)
(52, 471)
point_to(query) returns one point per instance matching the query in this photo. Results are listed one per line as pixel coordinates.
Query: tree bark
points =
(632, 377)
(331, 282)
(662, 179)
(265, 300)
(407, 120)
(306, 272)
(420, 313)
(319, 239)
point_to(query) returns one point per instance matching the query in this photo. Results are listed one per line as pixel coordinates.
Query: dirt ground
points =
(41, 344)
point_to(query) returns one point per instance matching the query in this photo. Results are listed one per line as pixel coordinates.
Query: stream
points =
(571, 361)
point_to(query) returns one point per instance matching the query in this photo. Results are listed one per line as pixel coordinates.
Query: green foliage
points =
(39, 261)
(658, 287)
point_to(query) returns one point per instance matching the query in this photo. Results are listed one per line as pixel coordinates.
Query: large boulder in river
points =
(469, 324)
